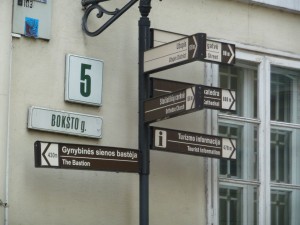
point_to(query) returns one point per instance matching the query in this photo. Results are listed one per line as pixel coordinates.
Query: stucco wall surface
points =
(177, 182)
(5, 56)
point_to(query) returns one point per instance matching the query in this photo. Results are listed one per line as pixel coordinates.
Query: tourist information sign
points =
(213, 97)
(85, 157)
(189, 100)
(182, 51)
(189, 143)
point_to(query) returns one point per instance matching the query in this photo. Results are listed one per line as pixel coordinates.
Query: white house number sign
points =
(83, 80)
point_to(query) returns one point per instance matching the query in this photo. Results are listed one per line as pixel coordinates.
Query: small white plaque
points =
(65, 122)
(83, 80)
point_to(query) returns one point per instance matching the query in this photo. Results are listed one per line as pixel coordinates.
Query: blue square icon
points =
(31, 27)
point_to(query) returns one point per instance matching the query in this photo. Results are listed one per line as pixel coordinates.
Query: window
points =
(235, 202)
(262, 186)
(293, 5)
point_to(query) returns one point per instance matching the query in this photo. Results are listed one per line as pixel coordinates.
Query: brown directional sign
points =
(220, 52)
(189, 143)
(174, 104)
(162, 86)
(213, 97)
(215, 51)
(182, 51)
(85, 157)
(160, 37)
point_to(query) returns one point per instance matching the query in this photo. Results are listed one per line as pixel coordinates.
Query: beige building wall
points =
(177, 182)
(5, 59)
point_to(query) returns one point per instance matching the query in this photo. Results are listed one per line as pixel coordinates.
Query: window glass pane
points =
(285, 95)
(285, 156)
(285, 207)
(244, 81)
(245, 166)
(232, 205)
(280, 201)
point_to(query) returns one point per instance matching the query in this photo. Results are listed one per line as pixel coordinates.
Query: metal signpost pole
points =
(144, 85)
(144, 131)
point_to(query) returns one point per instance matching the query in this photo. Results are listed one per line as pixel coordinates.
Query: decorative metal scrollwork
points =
(90, 5)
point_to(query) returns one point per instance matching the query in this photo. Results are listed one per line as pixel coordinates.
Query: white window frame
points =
(265, 59)
(287, 5)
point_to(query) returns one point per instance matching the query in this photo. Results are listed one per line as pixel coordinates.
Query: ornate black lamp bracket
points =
(90, 5)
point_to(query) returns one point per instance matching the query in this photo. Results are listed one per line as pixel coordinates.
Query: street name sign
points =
(85, 157)
(64, 122)
(189, 143)
(213, 97)
(216, 51)
(182, 51)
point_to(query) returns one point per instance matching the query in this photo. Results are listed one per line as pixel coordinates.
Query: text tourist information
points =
(85, 157)
(193, 143)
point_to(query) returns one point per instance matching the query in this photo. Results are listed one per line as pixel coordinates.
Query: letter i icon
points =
(160, 138)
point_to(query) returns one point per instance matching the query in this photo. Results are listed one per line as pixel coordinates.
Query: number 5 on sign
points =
(85, 85)
(83, 82)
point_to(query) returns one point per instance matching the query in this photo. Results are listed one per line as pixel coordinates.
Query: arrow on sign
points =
(228, 99)
(232, 53)
(49, 155)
